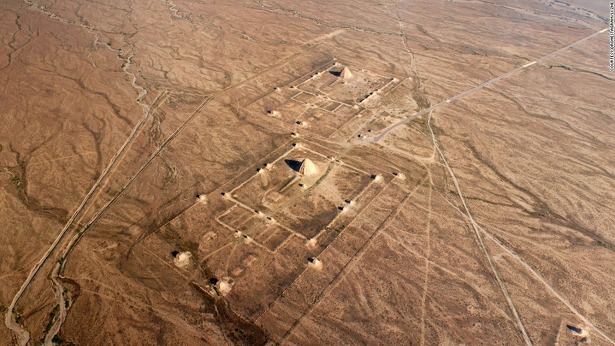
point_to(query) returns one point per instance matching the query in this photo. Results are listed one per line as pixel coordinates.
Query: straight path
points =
(479, 87)
(22, 335)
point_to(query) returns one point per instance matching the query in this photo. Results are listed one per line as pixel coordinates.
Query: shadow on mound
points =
(294, 164)
(574, 329)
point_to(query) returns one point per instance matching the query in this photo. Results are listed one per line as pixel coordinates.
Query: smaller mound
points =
(182, 259)
(201, 198)
(224, 286)
(315, 263)
(311, 243)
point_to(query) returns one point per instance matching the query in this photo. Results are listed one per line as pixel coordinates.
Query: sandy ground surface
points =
(151, 189)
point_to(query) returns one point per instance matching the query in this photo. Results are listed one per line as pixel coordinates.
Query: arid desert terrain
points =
(330, 172)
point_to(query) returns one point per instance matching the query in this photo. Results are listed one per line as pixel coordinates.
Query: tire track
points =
(57, 272)
(536, 274)
(271, 305)
(483, 247)
(23, 336)
(353, 261)
(425, 108)
(427, 262)
(550, 288)
(479, 87)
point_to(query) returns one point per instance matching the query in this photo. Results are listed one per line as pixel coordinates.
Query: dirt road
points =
(478, 87)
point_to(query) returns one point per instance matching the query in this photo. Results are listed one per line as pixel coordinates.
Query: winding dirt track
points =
(492, 266)
(24, 336)
(478, 87)
(9, 319)
(547, 285)
(75, 240)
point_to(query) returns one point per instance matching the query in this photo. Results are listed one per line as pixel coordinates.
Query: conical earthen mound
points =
(308, 167)
(345, 74)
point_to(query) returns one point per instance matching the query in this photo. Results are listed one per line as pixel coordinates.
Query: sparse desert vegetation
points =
(313, 173)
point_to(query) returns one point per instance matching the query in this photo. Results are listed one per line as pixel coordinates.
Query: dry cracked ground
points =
(459, 187)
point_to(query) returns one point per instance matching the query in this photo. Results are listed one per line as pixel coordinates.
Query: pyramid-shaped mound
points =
(308, 168)
(345, 74)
